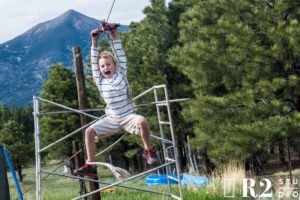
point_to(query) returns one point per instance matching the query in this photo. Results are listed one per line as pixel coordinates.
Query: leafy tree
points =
(4, 114)
(243, 60)
(60, 88)
(24, 116)
(147, 47)
(19, 144)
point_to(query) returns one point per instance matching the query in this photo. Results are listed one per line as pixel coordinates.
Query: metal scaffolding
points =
(169, 159)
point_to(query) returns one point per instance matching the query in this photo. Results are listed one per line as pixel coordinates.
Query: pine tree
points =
(24, 116)
(243, 60)
(146, 46)
(60, 88)
(4, 114)
(19, 144)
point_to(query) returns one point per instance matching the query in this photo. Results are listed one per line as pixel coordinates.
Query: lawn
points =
(62, 188)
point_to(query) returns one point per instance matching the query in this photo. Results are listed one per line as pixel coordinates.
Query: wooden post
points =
(78, 162)
(82, 101)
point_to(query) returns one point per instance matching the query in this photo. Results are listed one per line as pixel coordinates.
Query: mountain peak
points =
(32, 53)
(69, 13)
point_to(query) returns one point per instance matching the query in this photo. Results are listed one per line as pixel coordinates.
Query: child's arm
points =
(94, 56)
(119, 50)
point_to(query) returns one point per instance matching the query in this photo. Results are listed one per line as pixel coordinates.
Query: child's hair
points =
(108, 54)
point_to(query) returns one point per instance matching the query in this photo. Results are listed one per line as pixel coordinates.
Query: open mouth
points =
(107, 73)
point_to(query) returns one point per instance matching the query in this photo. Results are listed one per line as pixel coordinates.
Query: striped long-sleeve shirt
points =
(114, 91)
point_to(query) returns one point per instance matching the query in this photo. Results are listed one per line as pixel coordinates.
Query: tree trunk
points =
(19, 170)
(281, 154)
(139, 158)
(208, 165)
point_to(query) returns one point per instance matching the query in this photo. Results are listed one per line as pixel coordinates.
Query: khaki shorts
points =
(109, 126)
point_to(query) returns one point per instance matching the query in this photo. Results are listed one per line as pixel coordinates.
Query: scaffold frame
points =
(167, 161)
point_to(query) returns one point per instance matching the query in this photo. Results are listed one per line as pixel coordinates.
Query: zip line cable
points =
(110, 11)
(105, 21)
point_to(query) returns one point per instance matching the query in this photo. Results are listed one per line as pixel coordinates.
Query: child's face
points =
(107, 67)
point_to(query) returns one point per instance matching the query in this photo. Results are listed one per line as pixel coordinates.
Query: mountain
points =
(26, 59)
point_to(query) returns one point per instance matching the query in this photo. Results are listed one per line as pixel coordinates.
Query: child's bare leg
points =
(145, 132)
(90, 145)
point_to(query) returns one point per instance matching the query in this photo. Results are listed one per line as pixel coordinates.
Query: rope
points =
(119, 173)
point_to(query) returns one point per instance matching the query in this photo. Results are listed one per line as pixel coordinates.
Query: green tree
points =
(60, 88)
(243, 60)
(24, 116)
(147, 46)
(19, 144)
(5, 114)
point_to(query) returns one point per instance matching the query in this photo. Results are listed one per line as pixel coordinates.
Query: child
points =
(110, 78)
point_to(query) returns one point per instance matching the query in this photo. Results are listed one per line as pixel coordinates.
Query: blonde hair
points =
(108, 54)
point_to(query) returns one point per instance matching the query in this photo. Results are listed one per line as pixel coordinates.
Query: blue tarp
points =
(155, 179)
(193, 180)
(186, 179)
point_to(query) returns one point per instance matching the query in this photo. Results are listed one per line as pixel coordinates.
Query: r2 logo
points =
(263, 183)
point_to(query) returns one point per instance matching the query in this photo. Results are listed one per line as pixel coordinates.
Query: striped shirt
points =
(114, 91)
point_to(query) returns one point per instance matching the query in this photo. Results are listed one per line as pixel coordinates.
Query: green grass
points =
(61, 188)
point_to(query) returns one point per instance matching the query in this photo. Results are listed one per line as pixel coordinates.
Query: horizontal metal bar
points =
(159, 86)
(119, 182)
(172, 178)
(162, 139)
(164, 123)
(67, 108)
(67, 136)
(161, 104)
(143, 93)
(175, 197)
(103, 182)
(174, 100)
(158, 103)
(149, 90)
(67, 111)
(169, 159)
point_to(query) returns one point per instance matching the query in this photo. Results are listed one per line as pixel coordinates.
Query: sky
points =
(18, 16)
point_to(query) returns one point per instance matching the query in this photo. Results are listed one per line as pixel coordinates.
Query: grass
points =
(62, 188)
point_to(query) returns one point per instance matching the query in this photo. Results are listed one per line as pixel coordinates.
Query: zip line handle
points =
(105, 27)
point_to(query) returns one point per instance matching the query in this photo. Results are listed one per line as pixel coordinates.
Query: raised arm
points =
(120, 54)
(94, 56)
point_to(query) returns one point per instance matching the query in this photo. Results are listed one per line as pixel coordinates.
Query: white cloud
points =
(17, 16)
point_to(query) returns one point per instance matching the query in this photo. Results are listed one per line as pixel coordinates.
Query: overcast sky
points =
(17, 16)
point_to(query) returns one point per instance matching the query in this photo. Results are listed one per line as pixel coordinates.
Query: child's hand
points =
(113, 27)
(114, 31)
(95, 33)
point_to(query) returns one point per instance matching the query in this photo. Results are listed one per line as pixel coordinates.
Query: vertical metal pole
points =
(37, 148)
(174, 142)
(161, 130)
